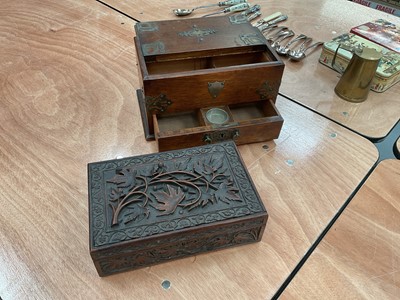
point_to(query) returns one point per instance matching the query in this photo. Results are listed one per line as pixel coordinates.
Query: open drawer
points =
(245, 123)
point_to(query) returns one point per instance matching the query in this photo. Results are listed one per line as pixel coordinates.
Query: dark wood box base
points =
(171, 247)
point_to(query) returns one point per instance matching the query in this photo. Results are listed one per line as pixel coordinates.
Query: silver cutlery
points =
(300, 54)
(234, 8)
(284, 49)
(283, 35)
(273, 22)
(180, 12)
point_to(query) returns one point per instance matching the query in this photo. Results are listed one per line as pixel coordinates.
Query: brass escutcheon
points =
(220, 136)
(215, 88)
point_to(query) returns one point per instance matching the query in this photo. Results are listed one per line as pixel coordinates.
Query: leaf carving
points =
(203, 201)
(165, 184)
(115, 194)
(226, 193)
(203, 168)
(137, 212)
(168, 201)
(124, 178)
(218, 164)
(198, 166)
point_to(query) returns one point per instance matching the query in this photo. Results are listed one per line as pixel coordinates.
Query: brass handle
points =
(207, 139)
(344, 47)
(220, 136)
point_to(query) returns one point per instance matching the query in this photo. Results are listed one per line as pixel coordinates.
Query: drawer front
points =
(212, 88)
(242, 132)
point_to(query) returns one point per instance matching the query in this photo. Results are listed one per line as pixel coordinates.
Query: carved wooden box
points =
(187, 65)
(154, 208)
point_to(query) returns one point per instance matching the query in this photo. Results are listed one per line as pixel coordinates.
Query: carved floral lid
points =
(143, 196)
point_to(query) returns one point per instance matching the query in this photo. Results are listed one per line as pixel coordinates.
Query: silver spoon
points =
(277, 42)
(180, 12)
(273, 31)
(284, 50)
(300, 54)
(280, 32)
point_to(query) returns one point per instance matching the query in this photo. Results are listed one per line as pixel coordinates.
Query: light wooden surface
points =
(359, 258)
(68, 80)
(308, 82)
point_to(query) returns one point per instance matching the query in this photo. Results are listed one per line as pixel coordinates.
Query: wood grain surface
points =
(359, 258)
(308, 82)
(68, 78)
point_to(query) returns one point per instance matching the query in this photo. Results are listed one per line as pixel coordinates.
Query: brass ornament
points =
(220, 136)
(268, 90)
(252, 39)
(153, 48)
(147, 27)
(197, 32)
(215, 88)
(157, 104)
(238, 19)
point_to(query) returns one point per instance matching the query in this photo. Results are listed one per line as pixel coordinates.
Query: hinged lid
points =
(196, 35)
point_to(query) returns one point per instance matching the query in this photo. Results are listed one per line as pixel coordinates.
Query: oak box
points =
(189, 65)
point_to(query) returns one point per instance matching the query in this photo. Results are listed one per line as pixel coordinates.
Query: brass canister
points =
(355, 83)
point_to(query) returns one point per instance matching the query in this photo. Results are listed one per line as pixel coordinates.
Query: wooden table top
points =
(307, 82)
(68, 81)
(360, 255)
